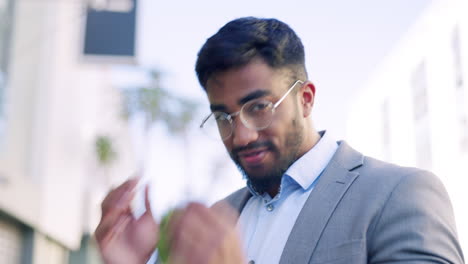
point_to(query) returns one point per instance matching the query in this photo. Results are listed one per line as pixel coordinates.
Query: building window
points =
(11, 241)
(6, 13)
(421, 117)
(457, 58)
(462, 114)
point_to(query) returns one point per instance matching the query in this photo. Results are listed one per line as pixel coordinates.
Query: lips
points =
(253, 157)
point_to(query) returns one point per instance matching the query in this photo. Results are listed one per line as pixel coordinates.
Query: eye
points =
(259, 106)
(220, 116)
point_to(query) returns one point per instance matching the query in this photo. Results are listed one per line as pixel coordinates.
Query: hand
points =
(201, 235)
(121, 237)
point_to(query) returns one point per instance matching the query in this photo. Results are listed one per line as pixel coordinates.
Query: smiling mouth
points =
(253, 157)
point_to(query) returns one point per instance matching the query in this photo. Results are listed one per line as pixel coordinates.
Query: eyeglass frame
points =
(230, 117)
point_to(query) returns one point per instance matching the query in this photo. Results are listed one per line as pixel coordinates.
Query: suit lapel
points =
(238, 199)
(322, 201)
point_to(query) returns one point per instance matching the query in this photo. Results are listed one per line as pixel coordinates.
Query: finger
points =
(113, 195)
(148, 215)
(185, 245)
(197, 223)
(116, 230)
(209, 218)
(118, 194)
(198, 235)
(113, 215)
(128, 184)
(147, 199)
(226, 211)
(121, 205)
(173, 224)
(222, 241)
(105, 227)
(229, 251)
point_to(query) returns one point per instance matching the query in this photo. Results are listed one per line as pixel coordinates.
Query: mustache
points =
(253, 145)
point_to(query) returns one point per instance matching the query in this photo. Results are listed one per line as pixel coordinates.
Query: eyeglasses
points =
(256, 114)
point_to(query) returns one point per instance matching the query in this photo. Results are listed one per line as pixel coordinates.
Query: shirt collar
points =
(307, 168)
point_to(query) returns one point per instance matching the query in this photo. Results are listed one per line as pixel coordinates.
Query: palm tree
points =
(105, 151)
(157, 105)
(106, 155)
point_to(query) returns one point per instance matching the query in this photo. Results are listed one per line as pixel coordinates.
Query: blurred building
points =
(6, 7)
(414, 109)
(53, 105)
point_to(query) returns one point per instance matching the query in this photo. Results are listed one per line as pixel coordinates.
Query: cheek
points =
(286, 112)
(274, 134)
(282, 122)
(228, 145)
(281, 130)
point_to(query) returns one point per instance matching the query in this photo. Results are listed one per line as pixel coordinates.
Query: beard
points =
(271, 177)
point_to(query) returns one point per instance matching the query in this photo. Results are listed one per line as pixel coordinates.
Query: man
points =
(309, 199)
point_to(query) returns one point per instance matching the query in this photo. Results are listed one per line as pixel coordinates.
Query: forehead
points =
(239, 82)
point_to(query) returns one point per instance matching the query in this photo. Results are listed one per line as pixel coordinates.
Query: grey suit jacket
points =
(367, 211)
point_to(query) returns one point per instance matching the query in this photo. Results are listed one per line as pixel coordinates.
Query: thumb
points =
(226, 211)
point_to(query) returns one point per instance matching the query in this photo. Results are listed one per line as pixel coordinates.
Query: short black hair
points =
(240, 41)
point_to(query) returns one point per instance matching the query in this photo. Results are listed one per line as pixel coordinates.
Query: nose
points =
(242, 135)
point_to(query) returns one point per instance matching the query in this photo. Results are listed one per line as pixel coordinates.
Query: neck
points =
(274, 191)
(310, 140)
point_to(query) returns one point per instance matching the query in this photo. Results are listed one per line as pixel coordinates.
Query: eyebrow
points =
(252, 96)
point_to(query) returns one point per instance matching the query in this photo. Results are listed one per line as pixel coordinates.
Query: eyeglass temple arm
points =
(286, 94)
(204, 120)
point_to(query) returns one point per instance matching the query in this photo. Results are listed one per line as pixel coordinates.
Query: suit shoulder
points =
(376, 170)
(413, 202)
(235, 198)
(236, 194)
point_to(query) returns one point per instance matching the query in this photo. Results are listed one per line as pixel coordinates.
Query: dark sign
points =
(110, 28)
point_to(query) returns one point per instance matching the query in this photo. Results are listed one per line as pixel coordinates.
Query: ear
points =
(307, 96)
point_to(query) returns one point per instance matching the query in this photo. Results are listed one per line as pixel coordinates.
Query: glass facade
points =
(462, 113)
(421, 117)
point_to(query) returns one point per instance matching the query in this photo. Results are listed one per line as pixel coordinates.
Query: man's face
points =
(263, 156)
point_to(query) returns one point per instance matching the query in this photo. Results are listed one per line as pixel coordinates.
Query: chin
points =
(257, 172)
(262, 174)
